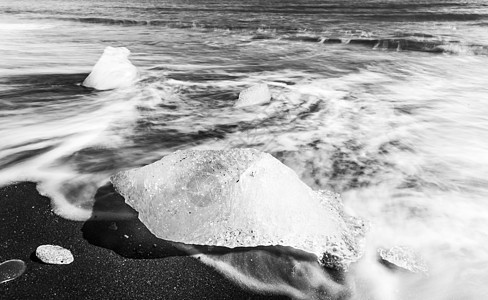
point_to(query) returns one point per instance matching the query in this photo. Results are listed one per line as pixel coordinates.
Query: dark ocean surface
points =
(384, 102)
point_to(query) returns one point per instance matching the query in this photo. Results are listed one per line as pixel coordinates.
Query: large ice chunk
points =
(239, 198)
(254, 95)
(112, 70)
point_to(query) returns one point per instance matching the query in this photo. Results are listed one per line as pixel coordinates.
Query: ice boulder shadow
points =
(114, 225)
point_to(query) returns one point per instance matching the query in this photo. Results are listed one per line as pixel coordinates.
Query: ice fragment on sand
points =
(112, 70)
(404, 258)
(11, 269)
(52, 254)
(239, 198)
(254, 95)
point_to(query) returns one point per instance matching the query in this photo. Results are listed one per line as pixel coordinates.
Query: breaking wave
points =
(421, 42)
(396, 44)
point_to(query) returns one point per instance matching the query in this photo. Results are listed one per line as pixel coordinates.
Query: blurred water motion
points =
(383, 102)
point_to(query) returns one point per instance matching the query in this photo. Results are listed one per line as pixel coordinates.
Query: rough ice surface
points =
(112, 70)
(239, 198)
(254, 95)
(405, 258)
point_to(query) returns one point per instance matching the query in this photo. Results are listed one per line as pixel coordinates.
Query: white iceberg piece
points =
(239, 198)
(254, 95)
(113, 70)
(53, 254)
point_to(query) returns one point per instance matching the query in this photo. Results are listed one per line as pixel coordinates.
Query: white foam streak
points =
(278, 271)
(62, 135)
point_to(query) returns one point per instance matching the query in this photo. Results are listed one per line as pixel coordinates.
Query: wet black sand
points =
(114, 258)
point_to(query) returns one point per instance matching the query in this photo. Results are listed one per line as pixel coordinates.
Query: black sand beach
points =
(117, 259)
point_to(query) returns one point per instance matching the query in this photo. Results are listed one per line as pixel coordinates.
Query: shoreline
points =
(115, 258)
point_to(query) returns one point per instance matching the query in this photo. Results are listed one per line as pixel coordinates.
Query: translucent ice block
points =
(239, 198)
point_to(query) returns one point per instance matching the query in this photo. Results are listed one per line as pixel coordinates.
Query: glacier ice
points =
(254, 95)
(112, 70)
(239, 198)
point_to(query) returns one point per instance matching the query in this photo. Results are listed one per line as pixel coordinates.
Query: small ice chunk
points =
(11, 269)
(239, 198)
(254, 95)
(112, 70)
(56, 255)
(405, 258)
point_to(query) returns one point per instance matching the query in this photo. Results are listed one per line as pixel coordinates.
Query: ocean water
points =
(384, 102)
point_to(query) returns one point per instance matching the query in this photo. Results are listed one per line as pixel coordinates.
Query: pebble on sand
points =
(52, 254)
